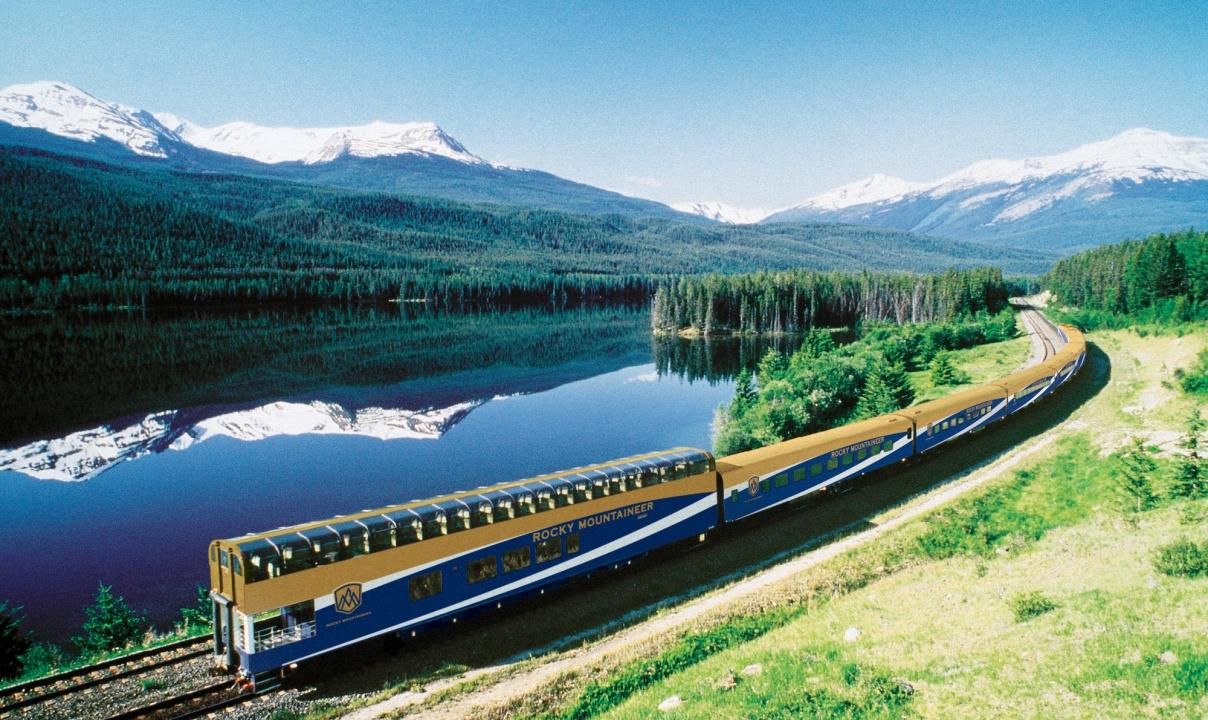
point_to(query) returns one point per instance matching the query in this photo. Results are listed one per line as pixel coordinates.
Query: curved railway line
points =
(204, 699)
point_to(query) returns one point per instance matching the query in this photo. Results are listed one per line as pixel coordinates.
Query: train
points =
(286, 596)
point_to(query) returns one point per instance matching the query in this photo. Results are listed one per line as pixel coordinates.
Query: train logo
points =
(753, 485)
(348, 597)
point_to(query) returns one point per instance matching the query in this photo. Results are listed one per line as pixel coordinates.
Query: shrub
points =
(1192, 676)
(1135, 485)
(109, 624)
(1182, 558)
(1028, 605)
(1195, 380)
(152, 684)
(13, 644)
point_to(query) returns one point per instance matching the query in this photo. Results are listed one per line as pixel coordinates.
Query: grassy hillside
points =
(82, 231)
(1037, 595)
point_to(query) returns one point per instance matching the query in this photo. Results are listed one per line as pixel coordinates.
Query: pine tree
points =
(896, 379)
(1135, 482)
(772, 367)
(109, 623)
(201, 615)
(878, 398)
(943, 372)
(13, 645)
(1189, 480)
(744, 393)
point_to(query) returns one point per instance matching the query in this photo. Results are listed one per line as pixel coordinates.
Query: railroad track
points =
(47, 688)
(197, 703)
(1042, 327)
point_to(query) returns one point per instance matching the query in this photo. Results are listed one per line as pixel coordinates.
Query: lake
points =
(129, 442)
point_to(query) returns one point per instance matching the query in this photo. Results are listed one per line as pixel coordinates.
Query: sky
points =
(758, 104)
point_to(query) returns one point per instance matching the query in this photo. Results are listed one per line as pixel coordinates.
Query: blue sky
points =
(757, 104)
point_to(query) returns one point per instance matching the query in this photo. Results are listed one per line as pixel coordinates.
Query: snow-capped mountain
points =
(417, 158)
(722, 212)
(875, 189)
(86, 454)
(1138, 182)
(69, 112)
(320, 145)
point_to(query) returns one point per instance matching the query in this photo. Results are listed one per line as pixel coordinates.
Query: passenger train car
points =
(287, 595)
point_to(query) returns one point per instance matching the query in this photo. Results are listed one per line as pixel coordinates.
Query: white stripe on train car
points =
(975, 423)
(709, 501)
(841, 476)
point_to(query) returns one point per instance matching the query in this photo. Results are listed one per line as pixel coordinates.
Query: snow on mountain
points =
(320, 145)
(67, 111)
(722, 212)
(1137, 182)
(86, 454)
(878, 188)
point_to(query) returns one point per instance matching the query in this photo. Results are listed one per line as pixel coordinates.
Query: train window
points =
(505, 509)
(887, 446)
(426, 585)
(861, 454)
(572, 543)
(563, 496)
(236, 565)
(681, 470)
(582, 491)
(545, 500)
(699, 466)
(224, 558)
(481, 569)
(734, 496)
(549, 550)
(633, 481)
(847, 459)
(599, 487)
(517, 559)
(765, 485)
(213, 553)
(832, 464)
(815, 469)
(461, 520)
(944, 425)
(781, 480)
(484, 513)
(798, 474)
(435, 523)
(910, 432)
(526, 504)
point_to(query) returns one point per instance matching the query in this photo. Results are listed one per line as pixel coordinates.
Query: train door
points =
(224, 628)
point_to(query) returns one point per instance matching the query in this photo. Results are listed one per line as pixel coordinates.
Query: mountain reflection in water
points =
(195, 427)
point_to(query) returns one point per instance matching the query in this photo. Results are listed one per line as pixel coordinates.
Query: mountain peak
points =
(722, 212)
(319, 145)
(872, 189)
(63, 109)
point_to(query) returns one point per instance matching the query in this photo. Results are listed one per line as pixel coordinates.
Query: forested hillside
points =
(803, 299)
(84, 232)
(1163, 278)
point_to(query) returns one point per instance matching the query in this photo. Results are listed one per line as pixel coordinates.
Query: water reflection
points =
(130, 442)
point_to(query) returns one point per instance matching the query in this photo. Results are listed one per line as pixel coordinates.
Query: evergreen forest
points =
(85, 233)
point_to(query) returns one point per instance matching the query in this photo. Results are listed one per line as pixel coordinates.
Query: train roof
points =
(941, 408)
(1019, 380)
(816, 443)
(405, 512)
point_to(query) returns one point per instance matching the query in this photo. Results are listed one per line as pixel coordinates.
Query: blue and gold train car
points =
(952, 416)
(287, 595)
(756, 480)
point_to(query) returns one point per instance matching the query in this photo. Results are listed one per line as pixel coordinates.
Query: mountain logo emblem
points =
(753, 485)
(347, 597)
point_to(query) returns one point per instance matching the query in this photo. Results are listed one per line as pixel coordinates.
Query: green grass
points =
(982, 364)
(1031, 598)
